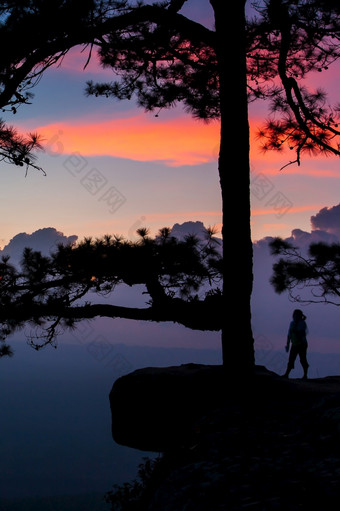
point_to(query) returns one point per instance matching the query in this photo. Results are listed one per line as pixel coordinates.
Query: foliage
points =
(162, 57)
(132, 496)
(182, 279)
(17, 149)
(37, 35)
(162, 61)
(291, 40)
(314, 277)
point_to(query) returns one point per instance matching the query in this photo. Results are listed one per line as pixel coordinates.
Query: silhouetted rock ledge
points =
(153, 408)
(261, 444)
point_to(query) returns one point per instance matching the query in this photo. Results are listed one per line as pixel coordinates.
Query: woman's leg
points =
(303, 360)
(291, 361)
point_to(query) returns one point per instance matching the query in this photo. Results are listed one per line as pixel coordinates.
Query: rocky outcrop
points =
(261, 443)
(157, 407)
(154, 408)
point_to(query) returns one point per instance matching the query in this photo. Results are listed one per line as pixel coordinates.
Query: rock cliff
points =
(266, 443)
(154, 408)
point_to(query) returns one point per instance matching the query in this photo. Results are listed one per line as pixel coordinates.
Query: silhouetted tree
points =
(163, 57)
(31, 38)
(181, 278)
(313, 277)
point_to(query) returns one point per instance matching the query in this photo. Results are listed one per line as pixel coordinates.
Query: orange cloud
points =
(180, 141)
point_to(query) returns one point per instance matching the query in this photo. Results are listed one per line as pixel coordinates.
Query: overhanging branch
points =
(196, 315)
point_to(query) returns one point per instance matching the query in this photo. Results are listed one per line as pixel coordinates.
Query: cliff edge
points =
(264, 443)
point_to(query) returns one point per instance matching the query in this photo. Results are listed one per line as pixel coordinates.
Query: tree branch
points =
(291, 86)
(195, 315)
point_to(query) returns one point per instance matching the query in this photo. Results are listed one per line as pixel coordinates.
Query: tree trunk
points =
(234, 173)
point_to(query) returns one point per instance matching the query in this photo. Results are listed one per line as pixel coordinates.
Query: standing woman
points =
(297, 335)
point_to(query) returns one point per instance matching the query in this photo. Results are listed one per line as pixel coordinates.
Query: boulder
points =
(154, 408)
(236, 443)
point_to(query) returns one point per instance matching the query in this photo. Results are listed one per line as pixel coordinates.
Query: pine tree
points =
(163, 57)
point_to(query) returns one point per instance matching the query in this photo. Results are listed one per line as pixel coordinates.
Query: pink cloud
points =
(180, 141)
(293, 209)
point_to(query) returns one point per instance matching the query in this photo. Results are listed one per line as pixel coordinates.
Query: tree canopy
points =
(295, 38)
(161, 57)
(182, 279)
(313, 277)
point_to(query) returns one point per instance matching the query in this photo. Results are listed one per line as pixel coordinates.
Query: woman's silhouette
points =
(297, 336)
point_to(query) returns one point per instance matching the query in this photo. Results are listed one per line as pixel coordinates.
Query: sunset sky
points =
(112, 168)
